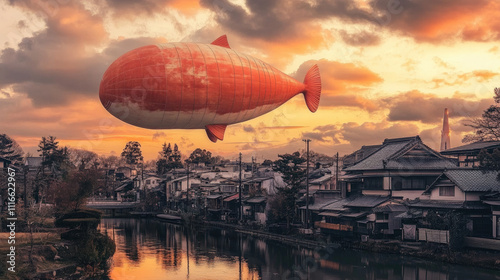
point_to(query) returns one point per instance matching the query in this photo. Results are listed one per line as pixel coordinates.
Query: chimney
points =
(445, 133)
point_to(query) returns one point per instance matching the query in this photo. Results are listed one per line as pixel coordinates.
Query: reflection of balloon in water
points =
(189, 85)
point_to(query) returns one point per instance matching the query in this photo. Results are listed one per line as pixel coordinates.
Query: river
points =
(151, 249)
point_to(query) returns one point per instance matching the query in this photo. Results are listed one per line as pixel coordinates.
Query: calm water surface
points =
(151, 249)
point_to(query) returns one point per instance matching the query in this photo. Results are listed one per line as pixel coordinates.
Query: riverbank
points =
(52, 257)
(430, 251)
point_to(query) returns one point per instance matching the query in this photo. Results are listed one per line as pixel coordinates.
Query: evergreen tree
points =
(283, 205)
(169, 159)
(132, 153)
(55, 160)
(53, 157)
(10, 150)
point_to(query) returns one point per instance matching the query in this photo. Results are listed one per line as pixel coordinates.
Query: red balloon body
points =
(190, 86)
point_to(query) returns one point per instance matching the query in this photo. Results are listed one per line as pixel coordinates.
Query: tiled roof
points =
(447, 204)
(338, 205)
(320, 205)
(473, 180)
(419, 164)
(390, 156)
(411, 214)
(367, 201)
(360, 154)
(321, 180)
(472, 147)
(390, 208)
(375, 160)
(442, 204)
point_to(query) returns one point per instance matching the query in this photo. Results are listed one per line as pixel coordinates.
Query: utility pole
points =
(337, 172)
(25, 170)
(241, 205)
(253, 165)
(187, 187)
(307, 183)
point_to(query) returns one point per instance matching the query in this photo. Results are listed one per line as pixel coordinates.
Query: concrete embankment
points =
(471, 257)
(287, 239)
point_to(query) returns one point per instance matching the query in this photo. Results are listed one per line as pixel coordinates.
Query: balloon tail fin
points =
(215, 131)
(313, 88)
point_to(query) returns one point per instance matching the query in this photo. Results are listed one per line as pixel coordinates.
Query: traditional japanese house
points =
(399, 168)
(463, 190)
(466, 155)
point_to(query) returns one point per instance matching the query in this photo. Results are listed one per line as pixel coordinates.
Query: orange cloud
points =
(435, 21)
(188, 7)
(346, 100)
(428, 108)
(451, 79)
(339, 78)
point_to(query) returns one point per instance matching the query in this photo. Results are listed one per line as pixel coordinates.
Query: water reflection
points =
(150, 249)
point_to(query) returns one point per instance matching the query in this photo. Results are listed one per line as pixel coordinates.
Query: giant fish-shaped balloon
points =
(190, 86)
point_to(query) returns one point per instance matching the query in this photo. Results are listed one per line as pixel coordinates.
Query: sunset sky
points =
(388, 67)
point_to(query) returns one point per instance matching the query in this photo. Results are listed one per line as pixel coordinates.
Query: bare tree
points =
(487, 127)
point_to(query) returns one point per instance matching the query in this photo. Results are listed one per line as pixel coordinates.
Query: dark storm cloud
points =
(273, 19)
(44, 69)
(435, 21)
(428, 108)
(360, 39)
(429, 21)
(58, 78)
(57, 63)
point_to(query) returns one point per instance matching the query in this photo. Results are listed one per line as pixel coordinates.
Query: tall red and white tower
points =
(445, 133)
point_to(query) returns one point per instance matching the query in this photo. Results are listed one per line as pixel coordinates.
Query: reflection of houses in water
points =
(219, 250)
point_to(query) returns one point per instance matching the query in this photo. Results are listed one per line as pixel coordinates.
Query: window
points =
(447, 191)
(382, 216)
(397, 183)
(411, 183)
(376, 183)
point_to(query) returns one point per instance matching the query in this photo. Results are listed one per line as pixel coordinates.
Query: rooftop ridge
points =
(402, 139)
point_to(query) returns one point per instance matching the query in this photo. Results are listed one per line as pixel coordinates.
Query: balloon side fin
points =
(215, 131)
(221, 42)
(312, 93)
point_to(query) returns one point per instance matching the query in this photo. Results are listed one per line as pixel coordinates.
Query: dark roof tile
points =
(472, 147)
